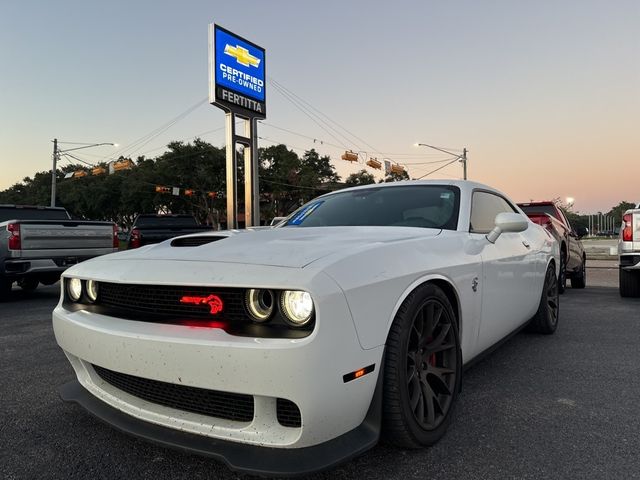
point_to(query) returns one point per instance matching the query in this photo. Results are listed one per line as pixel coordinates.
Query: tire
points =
(5, 288)
(49, 279)
(422, 370)
(629, 283)
(579, 280)
(28, 284)
(562, 281)
(545, 320)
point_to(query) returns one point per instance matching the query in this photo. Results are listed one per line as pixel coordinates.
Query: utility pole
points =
(53, 172)
(464, 163)
(461, 158)
(56, 156)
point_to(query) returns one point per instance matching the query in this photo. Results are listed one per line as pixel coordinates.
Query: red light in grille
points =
(214, 302)
(627, 233)
(203, 324)
(14, 239)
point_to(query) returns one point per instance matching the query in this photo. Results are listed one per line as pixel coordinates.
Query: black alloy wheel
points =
(562, 282)
(546, 318)
(422, 369)
(579, 280)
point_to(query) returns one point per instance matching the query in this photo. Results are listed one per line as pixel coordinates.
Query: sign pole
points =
(232, 172)
(251, 180)
(237, 77)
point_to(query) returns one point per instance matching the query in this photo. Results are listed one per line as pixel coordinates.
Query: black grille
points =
(229, 406)
(164, 300)
(288, 413)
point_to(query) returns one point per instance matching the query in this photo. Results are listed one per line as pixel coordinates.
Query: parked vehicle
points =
(287, 350)
(573, 259)
(629, 254)
(38, 243)
(155, 228)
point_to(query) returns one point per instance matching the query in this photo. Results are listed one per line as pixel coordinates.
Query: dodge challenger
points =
(289, 350)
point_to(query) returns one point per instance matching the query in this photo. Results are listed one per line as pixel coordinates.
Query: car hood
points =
(283, 247)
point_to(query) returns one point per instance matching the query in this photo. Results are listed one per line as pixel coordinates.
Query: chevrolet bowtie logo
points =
(242, 55)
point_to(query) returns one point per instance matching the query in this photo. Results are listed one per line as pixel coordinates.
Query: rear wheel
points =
(423, 367)
(629, 283)
(579, 280)
(546, 318)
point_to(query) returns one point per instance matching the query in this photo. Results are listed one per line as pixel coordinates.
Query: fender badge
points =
(474, 284)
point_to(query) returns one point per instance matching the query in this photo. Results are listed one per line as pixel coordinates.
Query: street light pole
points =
(464, 163)
(56, 155)
(53, 172)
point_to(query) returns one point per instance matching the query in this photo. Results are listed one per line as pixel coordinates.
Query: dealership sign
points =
(236, 73)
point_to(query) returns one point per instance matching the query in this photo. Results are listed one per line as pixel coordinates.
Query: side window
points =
(484, 208)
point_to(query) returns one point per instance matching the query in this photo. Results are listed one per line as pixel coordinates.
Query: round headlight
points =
(260, 304)
(92, 290)
(74, 287)
(297, 307)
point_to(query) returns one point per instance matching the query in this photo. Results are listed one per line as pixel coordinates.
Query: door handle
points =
(526, 244)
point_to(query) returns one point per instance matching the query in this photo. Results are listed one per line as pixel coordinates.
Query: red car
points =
(573, 260)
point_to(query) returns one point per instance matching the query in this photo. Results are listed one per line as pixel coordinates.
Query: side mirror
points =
(582, 232)
(507, 222)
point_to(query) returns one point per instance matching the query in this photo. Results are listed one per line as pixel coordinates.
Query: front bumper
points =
(308, 372)
(244, 458)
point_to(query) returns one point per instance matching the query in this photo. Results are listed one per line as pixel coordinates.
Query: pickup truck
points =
(38, 243)
(629, 253)
(573, 260)
(152, 228)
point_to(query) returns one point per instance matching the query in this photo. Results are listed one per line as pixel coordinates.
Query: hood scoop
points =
(195, 241)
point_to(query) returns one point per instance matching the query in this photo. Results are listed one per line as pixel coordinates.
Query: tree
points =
(360, 178)
(286, 181)
(617, 211)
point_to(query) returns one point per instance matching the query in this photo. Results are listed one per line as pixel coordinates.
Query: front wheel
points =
(629, 283)
(5, 288)
(28, 284)
(546, 318)
(422, 371)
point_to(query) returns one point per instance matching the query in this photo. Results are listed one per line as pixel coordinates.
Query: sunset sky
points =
(545, 95)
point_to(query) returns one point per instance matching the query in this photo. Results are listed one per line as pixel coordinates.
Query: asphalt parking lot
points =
(562, 406)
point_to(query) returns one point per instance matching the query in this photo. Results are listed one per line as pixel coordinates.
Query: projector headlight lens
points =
(297, 307)
(260, 304)
(74, 288)
(92, 290)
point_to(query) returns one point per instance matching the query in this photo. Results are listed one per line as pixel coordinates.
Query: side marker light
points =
(358, 373)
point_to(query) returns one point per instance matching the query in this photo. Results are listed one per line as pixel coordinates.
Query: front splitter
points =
(245, 458)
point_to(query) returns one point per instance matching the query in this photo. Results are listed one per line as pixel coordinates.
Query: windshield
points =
(426, 206)
(548, 209)
(166, 221)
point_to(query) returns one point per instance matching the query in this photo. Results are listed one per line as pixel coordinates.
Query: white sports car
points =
(292, 349)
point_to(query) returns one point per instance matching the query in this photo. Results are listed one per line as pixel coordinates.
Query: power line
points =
(439, 168)
(78, 159)
(273, 81)
(303, 110)
(187, 138)
(140, 142)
